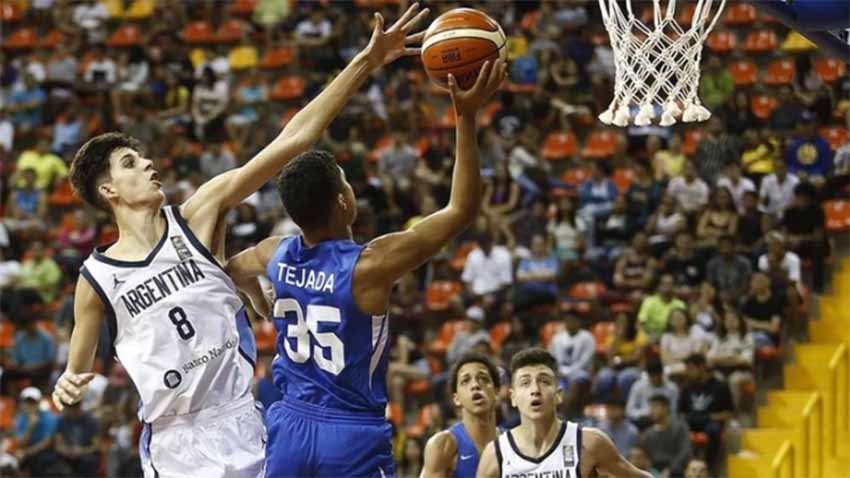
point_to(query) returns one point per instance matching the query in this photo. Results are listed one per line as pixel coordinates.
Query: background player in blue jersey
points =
(331, 298)
(455, 452)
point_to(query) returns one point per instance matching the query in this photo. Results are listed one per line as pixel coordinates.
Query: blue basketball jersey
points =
(467, 452)
(329, 353)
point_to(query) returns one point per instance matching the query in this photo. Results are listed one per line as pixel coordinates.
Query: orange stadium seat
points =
(549, 330)
(459, 260)
(837, 215)
(740, 14)
(287, 116)
(7, 333)
(63, 195)
(277, 57)
(559, 145)
(692, 138)
(229, 31)
(288, 88)
(529, 20)
(835, 135)
(440, 293)
(7, 413)
(266, 336)
(722, 41)
(763, 105)
(21, 39)
(622, 178)
(125, 35)
(830, 69)
(587, 290)
(498, 333)
(744, 72)
(684, 14)
(600, 144)
(576, 176)
(10, 12)
(243, 7)
(780, 72)
(489, 111)
(383, 143)
(54, 37)
(200, 31)
(760, 41)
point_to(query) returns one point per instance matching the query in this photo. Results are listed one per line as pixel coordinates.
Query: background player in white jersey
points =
(455, 452)
(542, 444)
(173, 314)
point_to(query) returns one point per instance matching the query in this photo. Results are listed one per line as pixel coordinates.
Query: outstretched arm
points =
(440, 453)
(245, 267)
(230, 188)
(389, 257)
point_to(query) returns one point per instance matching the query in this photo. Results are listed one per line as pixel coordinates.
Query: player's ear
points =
(340, 202)
(511, 395)
(559, 396)
(107, 191)
(456, 399)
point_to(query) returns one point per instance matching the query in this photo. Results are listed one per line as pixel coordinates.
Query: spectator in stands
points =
(717, 220)
(729, 272)
(665, 223)
(7, 132)
(656, 308)
(509, 120)
(667, 442)
(209, 103)
(622, 432)
(568, 230)
(705, 310)
(488, 269)
(527, 167)
(75, 243)
(67, 131)
(407, 364)
(716, 83)
(33, 356)
(574, 349)
(789, 108)
(643, 195)
(28, 204)
(623, 352)
(217, 159)
(738, 114)
(716, 151)
(634, 272)
(536, 276)
(77, 440)
(49, 168)
(732, 353)
(782, 267)
(246, 105)
(410, 463)
(90, 17)
(762, 311)
(753, 226)
(597, 194)
(41, 273)
(138, 122)
(803, 224)
(687, 269)
(651, 383)
(398, 161)
(639, 457)
(669, 162)
(101, 72)
(62, 70)
(809, 155)
(315, 33)
(689, 191)
(27, 104)
(532, 224)
(611, 235)
(706, 404)
(678, 343)
(696, 468)
(466, 340)
(759, 154)
(777, 190)
(736, 184)
(132, 73)
(34, 433)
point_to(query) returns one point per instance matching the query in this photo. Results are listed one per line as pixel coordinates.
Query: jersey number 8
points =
(301, 331)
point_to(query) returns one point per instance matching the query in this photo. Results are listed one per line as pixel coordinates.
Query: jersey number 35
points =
(302, 329)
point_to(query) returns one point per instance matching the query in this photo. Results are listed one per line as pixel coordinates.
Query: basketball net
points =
(657, 64)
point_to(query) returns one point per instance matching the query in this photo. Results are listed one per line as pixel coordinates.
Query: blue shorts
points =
(307, 441)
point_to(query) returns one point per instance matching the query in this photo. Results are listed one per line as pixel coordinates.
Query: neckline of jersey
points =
(543, 457)
(99, 256)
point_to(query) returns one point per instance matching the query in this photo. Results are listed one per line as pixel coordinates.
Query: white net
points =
(657, 63)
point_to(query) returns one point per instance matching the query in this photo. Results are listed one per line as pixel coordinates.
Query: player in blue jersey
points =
(455, 452)
(330, 304)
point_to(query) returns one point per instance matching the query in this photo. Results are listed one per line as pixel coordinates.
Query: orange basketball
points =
(459, 42)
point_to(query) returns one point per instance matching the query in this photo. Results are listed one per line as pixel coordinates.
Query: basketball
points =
(459, 42)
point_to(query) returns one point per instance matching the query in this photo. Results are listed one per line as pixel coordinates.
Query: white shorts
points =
(225, 441)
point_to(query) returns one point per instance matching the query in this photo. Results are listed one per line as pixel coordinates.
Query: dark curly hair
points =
(308, 186)
(90, 166)
(472, 357)
(533, 356)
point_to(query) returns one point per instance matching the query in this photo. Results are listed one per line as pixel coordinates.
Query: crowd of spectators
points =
(659, 265)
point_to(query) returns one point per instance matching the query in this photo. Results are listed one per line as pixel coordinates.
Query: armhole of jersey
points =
(498, 455)
(354, 303)
(111, 323)
(187, 231)
(578, 451)
(274, 259)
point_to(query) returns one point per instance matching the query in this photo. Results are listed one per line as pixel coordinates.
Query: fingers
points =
(483, 75)
(413, 51)
(379, 24)
(402, 22)
(415, 38)
(453, 89)
(412, 23)
(57, 401)
(497, 75)
(84, 378)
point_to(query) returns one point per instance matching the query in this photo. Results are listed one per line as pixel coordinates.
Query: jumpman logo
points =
(116, 281)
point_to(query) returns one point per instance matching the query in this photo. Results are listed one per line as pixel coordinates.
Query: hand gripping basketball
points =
(468, 102)
(70, 388)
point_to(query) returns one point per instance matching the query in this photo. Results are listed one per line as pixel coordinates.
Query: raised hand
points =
(386, 46)
(468, 102)
(70, 388)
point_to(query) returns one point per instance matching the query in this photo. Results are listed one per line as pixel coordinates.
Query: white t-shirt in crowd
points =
(778, 195)
(486, 274)
(737, 190)
(690, 196)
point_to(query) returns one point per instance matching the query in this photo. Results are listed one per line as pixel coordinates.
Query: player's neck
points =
(481, 428)
(538, 435)
(139, 229)
(329, 233)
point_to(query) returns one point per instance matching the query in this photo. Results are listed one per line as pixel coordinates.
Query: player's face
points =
(476, 392)
(133, 182)
(535, 392)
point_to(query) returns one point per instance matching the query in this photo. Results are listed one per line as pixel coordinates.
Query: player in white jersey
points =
(543, 445)
(175, 319)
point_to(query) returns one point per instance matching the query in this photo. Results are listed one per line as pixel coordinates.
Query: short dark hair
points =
(696, 359)
(473, 357)
(806, 189)
(533, 356)
(308, 186)
(91, 164)
(654, 366)
(659, 398)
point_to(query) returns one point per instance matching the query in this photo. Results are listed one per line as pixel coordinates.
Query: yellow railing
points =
(783, 464)
(812, 442)
(840, 378)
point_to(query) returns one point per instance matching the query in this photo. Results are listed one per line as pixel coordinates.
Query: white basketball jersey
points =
(177, 323)
(561, 461)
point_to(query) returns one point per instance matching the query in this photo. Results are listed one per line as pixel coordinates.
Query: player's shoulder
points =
(442, 444)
